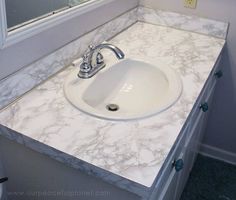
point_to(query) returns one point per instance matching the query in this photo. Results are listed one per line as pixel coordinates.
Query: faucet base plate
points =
(86, 75)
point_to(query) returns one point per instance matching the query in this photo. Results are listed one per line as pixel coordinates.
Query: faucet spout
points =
(119, 54)
(93, 60)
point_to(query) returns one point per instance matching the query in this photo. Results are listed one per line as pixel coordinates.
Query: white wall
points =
(221, 131)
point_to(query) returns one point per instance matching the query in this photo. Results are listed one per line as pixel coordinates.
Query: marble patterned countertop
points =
(127, 154)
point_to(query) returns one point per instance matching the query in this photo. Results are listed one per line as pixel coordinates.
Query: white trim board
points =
(218, 154)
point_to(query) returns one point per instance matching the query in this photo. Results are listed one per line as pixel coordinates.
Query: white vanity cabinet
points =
(187, 146)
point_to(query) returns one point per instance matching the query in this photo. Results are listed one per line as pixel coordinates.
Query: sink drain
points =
(112, 107)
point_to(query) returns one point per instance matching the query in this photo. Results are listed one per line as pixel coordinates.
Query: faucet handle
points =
(88, 52)
(84, 67)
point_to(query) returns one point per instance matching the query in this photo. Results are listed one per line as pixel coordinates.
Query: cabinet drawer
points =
(215, 74)
(203, 102)
(199, 115)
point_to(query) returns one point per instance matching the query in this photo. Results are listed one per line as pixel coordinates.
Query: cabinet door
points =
(169, 190)
(197, 129)
(190, 151)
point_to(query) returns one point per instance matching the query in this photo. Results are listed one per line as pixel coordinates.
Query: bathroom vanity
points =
(150, 157)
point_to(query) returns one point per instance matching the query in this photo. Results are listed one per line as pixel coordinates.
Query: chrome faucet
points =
(93, 60)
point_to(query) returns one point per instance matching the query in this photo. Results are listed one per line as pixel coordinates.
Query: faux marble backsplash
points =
(24, 80)
(183, 22)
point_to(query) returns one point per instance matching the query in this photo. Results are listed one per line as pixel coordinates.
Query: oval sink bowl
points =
(128, 90)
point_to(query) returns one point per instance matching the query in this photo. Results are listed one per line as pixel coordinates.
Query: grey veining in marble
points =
(183, 22)
(126, 154)
(24, 80)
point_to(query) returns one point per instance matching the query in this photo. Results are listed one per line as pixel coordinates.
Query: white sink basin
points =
(137, 89)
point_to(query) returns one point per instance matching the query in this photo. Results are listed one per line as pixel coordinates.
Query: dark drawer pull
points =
(218, 74)
(178, 165)
(204, 107)
(2, 180)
